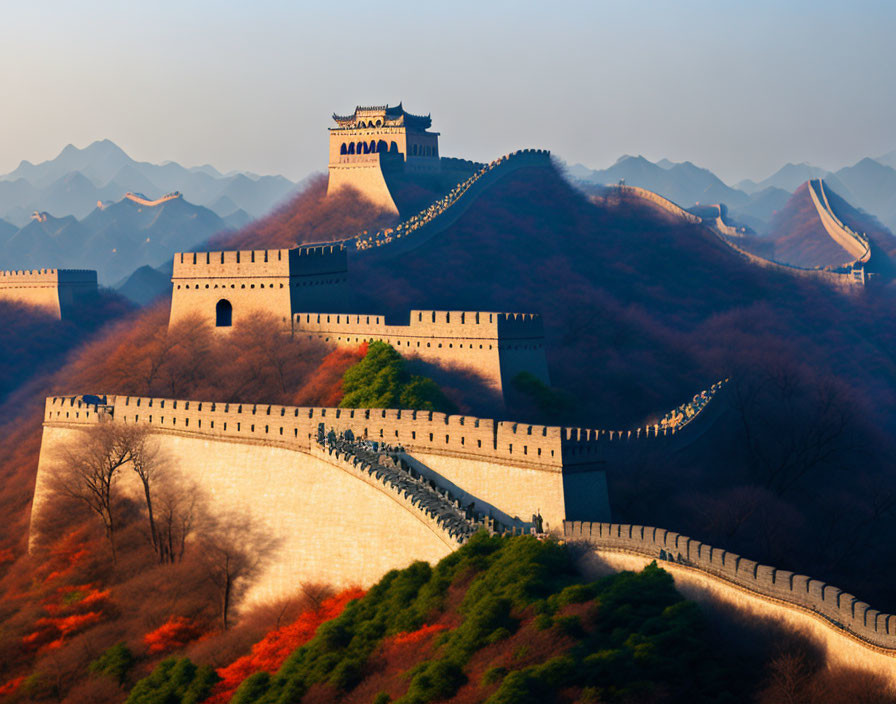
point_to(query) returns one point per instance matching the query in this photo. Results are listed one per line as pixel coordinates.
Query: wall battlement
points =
(275, 281)
(546, 448)
(841, 611)
(441, 214)
(57, 291)
(447, 324)
(494, 346)
(508, 471)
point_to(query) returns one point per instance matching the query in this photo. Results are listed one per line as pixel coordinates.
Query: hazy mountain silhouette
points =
(789, 177)
(684, 183)
(888, 159)
(145, 285)
(871, 186)
(7, 230)
(73, 182)
(762, 206)
(114, 239)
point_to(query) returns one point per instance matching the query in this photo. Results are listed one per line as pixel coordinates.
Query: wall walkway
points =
(443, 213)
(846, 277)
(851, 630)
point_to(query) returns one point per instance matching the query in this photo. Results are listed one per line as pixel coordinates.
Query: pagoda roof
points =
(391, 116)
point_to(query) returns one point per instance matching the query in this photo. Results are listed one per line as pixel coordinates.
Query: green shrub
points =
(433, 680)
(115, 662)
(174, 681)
(382, 380)
(644, 639)
(493, 675)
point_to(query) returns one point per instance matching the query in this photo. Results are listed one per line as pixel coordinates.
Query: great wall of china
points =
(444, 212)
(846, 277)
(55, 291)
(404, 485)
(141, 199)
(849, 631)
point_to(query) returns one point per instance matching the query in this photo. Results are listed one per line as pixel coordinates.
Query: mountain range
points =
(115, 238)
(77, 179)
(870, 184)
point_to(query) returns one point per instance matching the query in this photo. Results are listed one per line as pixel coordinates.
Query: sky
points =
(738, 87)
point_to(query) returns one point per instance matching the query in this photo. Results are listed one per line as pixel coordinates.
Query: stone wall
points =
(278, 281)
(515, 468)
(57, 291)
(846, 278)
(444, 212)
(325, 523)
(854, 244)
(495, 346)
(838, 609)
(363, 172)
(333, 519)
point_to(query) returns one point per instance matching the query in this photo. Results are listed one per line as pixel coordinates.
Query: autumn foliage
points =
(172, 635)
(269, 653)
(311, 216)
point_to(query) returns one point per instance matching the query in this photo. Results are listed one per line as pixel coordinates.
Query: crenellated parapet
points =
(226, 287)
(840, 610)
(444, 212)
(494, 346)
(548, 448)
(351, 493)
(57, 291)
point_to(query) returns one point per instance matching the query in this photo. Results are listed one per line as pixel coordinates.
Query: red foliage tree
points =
(272, 650)
(172, 635)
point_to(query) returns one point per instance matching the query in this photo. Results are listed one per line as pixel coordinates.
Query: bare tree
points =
(171, 505)
(234, 549)
(177, 508)
(87, 471)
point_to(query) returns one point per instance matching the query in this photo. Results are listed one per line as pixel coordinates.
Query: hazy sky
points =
(738, 87)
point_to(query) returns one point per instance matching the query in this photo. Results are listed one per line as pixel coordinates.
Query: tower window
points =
(223, 314)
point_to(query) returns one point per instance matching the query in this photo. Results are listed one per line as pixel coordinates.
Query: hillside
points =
(115, 238)
(648, 310)
(682, 183)
(638, 310)
(501, 621)
(868, 184)
(799, 236)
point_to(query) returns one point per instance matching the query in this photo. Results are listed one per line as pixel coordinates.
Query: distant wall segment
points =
(846, 278)
(57, 291)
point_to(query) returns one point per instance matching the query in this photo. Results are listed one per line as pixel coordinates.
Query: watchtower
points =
(224, 288)
(57, 291)
(374, 141)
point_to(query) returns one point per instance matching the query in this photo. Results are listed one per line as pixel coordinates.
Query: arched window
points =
(381, 146)
(393, 148)
(223, 314)
(351, 148)
(373, 146)
(343, 149)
